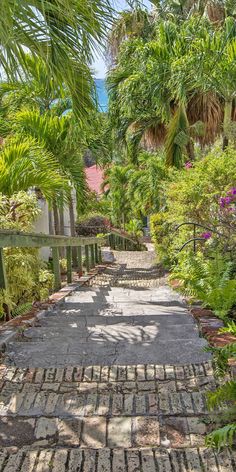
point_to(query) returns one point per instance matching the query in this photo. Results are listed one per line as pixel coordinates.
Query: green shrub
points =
(208, 280)
(28, 280)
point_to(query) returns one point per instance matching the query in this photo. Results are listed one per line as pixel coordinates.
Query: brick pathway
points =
(68, 403)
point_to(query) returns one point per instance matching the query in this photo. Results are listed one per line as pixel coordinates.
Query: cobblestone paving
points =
(97, 416)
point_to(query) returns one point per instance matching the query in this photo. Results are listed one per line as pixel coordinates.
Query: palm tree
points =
(144, 187)
(60, 136)
(63, 34)
(116, 191)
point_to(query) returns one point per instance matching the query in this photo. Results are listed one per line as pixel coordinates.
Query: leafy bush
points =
(28, 280)
(197, 194)
(92, 225)
(134, 228)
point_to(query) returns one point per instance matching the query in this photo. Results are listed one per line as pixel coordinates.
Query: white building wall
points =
(41, 225)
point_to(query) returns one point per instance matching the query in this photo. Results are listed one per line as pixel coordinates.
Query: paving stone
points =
(146, 432)
(133, 461)
(141, 375)
(91, 405)
(16, 431)
(59, 374)
(163, 462)
(44, 462)
(224, 461)
(160, 372)
(118, 460)
(179, 461)
(119, 432)
(193, 460)
(152, 404)
(128, 404)
(59, 461)
(14, 462)
(117, 404)
(169, 372)
(29, 461)
(89, 461)
(104, 460)
(103, 405)
(3, 456)
(131, 373)
(51, 403)
(75, 460)
(147, 460)
(104, 374)
(69, 430)
(50, 375)
(46, 428)
(146, 386)
(150, 372)
(140, 404)
(94, 432)
(209, 460)
(39, 375)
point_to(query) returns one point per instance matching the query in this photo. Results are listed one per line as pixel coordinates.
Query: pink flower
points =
(206, 235)
(188, 165)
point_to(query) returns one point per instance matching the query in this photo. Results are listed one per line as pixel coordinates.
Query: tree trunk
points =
(72, 230)
(56, 218)
(190, 150)
(50, 222)
(62, 229)
(227, 122)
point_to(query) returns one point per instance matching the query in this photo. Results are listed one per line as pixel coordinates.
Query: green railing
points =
(90, 246)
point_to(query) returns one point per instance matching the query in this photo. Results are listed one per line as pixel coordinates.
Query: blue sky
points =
(99, 63)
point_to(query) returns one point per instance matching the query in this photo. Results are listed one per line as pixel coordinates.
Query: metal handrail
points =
(194, 239)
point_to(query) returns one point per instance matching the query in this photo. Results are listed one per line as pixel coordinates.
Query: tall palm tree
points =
(116, 191)
(63, 33)
(60, 136)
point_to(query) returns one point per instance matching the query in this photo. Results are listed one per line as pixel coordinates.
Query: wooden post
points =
(92, 255)
(56, 268)
(96, 253)
(87, 262)
(80, 265)
(100, 255)
(69, 264)
(3, 278)
(3, 284)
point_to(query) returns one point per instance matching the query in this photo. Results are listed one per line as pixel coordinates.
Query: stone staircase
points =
(95, 416)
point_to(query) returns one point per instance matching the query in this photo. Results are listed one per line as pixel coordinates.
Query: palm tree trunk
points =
(50, 221)
(226, 124)
(190, 150)
(62, 229)
(56, 218)
(72, 230)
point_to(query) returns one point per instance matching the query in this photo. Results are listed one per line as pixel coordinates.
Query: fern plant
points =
(208, 280)
(223, 400)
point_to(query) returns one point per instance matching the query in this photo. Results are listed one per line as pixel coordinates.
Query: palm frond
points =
(25, 164)
(63, 34)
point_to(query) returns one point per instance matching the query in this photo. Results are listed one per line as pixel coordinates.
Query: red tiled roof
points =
(95, 178)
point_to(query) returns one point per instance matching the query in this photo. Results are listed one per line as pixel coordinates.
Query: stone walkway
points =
(114, 380)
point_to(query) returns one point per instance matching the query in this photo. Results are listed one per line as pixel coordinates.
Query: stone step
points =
(106, 373)
(34, 401)
(117, 460)
(100, 431)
